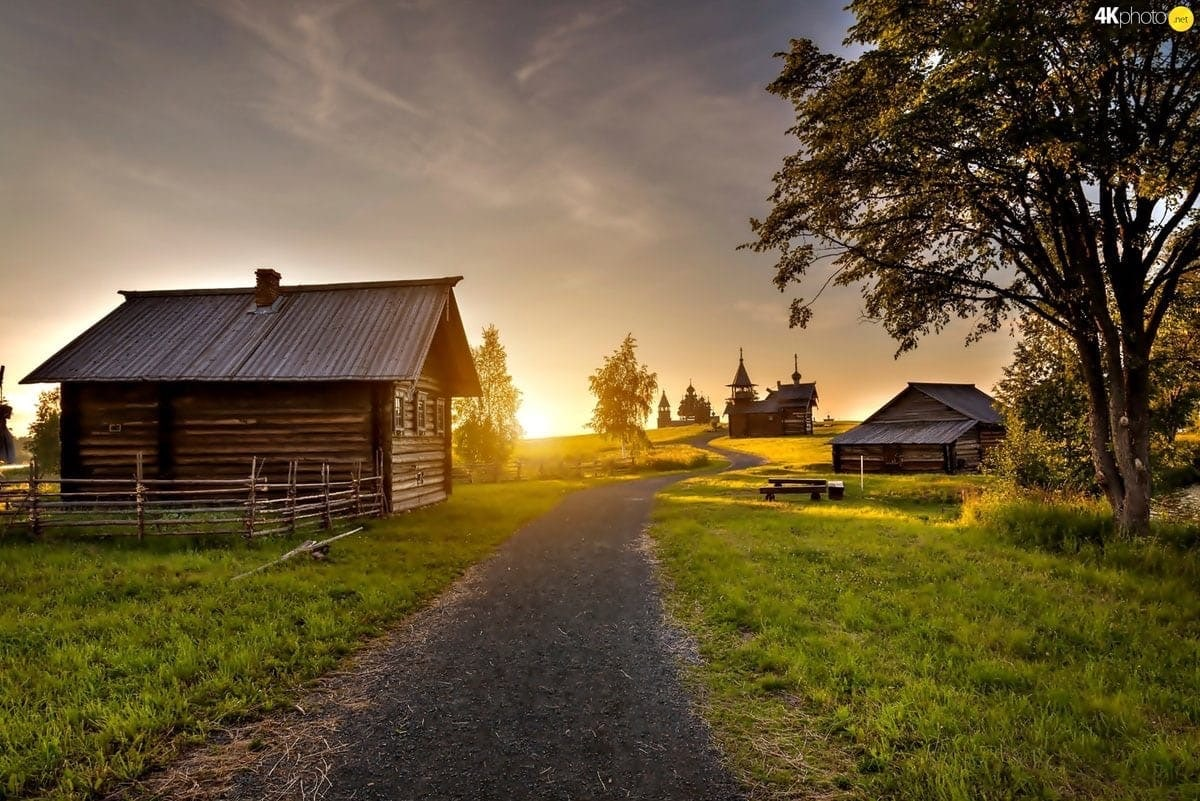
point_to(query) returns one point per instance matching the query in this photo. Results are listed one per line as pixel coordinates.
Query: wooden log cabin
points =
(786, 411)
(927, 428)
(359, 376)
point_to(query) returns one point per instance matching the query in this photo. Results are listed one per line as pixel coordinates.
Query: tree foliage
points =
(1020, 157)
(45, 443)
(1044, 404)
(624, 391)
(486, 427)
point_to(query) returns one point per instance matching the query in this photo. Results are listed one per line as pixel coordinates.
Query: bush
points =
(1029, 459)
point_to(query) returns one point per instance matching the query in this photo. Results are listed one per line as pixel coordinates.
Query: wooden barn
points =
(787, 410)
(927, 428)
(358, 376)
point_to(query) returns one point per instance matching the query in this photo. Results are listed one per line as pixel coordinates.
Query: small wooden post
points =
(383, 490)
(139, 499)
(518, 470)
(357, 476)
(293, 469)
(35, 519)
(862, 481)
(251, 500)
(327, 517)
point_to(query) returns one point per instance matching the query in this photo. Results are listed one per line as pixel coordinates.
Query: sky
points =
(589, 168)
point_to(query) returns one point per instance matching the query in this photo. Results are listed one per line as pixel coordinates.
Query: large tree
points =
(624, 391)
(486, 427)
(1003, 156)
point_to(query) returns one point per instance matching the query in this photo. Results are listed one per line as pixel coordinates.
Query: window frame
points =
(400, 411)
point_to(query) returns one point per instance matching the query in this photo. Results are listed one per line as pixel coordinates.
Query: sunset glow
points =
(589, 170)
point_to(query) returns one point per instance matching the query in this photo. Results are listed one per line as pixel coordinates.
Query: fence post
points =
(327, 518)
(293, 469)
(383, 490)
(518, 470)
(355, 494)
(139, 492)
(35, 520)
(251, 501)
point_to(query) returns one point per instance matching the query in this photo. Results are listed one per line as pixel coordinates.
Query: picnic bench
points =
(813, 487)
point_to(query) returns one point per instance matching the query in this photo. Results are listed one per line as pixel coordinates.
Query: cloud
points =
(556, 44)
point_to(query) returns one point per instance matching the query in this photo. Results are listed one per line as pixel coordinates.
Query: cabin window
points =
(422, 400)
(441, 416)
(399, 411)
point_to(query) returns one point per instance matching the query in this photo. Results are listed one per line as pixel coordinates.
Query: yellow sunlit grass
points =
(593, 446)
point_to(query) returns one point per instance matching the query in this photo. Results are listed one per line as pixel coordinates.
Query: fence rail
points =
(253, 506)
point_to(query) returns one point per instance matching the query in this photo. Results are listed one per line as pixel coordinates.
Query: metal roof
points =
(330, 332)
(941, 432)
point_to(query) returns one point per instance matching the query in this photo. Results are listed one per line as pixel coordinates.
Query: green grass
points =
(886, 647)
(115, 654)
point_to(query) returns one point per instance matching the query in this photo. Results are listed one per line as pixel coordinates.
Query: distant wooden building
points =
(926, 428)
(786, 411)
(693, 409)
(200, 381)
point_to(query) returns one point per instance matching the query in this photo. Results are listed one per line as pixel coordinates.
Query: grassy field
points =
(114, 654)
(886, 647)
(668, 450)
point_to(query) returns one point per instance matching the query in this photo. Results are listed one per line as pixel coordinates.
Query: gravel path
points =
(546, 673)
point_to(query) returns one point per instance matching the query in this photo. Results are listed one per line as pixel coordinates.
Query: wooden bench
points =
(813, 487)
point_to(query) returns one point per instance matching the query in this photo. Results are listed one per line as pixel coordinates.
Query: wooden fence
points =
(253, 506)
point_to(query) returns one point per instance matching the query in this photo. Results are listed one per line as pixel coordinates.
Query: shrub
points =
(1029, 459)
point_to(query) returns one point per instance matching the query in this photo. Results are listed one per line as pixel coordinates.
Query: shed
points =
(200, 381)
(928, 427)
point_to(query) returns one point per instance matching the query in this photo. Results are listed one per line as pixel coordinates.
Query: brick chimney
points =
(266, 287)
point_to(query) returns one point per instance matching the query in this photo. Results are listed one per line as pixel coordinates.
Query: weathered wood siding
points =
(967, 452)
(213, 430)
(218, 427)
(890, 458)
(105, 427)
(916, 407)
(789, 421)
(420, 444)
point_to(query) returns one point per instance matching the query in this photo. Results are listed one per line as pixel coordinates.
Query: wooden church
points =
(693, 409)
(786, 411)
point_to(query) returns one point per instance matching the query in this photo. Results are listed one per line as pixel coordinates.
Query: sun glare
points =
(535, 423)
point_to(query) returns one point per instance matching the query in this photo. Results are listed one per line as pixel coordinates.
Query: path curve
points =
(549, 674)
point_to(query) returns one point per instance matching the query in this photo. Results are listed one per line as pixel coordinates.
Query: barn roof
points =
(941, 432)
(964, 399)
(325, 332)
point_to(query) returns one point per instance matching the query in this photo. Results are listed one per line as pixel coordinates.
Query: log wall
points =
(420, 444)
(212, 430)
(890, 458)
